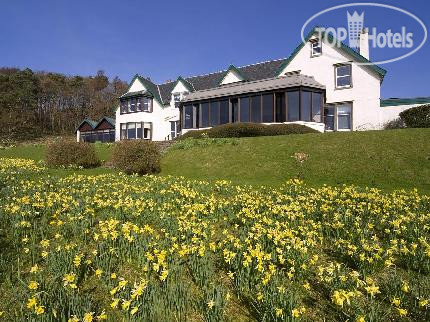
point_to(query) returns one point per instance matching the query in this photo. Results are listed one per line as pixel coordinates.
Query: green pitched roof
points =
(151, 88)
(346, 49)
(404, 101)
(187, 84)
(234, 69)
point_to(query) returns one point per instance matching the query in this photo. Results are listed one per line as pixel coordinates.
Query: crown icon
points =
(355, 25)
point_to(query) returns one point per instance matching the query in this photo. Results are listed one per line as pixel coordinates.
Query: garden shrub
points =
(136, 156)
(248, 130)
(417, 116)
(394, 124)
(71, 153)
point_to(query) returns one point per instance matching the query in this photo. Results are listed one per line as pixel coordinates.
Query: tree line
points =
(33, 104)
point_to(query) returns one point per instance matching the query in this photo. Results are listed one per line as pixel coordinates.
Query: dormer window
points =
(147, 104)
(316, 49)
(176, 99)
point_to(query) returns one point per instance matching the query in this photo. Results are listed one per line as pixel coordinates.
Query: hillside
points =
(385, 159)
(388, 160)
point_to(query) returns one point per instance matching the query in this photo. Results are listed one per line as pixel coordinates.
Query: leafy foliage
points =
(248, 130)
(39, 103)
(394, 124)
(136, 156)
(64, 153)
(418, 116)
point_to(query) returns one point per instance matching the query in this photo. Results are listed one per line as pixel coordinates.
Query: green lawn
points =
(388, 160)
(385, 159)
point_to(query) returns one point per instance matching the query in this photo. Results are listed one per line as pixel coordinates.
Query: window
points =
(329, 117)
(280, 115)
(337, 117)
(316, 48)
(204, 114)
(343, 76)
(268, 108)
(244, 109)
(134, 104)
(131, 131)
(147, 104)
(188, 117)
(123, 133)
(224, 115)
(234, 110)
(316, 107)
(214, 113)
(174, 129)
(343, 117)
(305, 108)
(124, 106)
(256, 109)
(176, 97)
(139, 104)
(293, 99)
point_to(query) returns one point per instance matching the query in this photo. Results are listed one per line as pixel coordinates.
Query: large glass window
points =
(188, 117)
(136, 104)
(329, 117)
(139, 131)
(244, 109)
(234, 110)
(174, 129)
(131, 131)
(268, 108)
(224, 116)
(204, 114)
(344, 117)
(316, 107)
(293, 100)
(256, 109)
(214, 113)
(306, 105)
(280, 108)
(343, 76)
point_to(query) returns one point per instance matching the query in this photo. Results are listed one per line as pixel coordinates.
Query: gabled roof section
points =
(110, 120)
(235, 71)
(90, 122)
(187, 85)
(404, 101)
(151, 89)
(346, 49)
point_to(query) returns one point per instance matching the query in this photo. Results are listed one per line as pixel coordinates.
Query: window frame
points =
(336, 76)
(312, 43)
(141, 104)
(336, 116)
(124, 128)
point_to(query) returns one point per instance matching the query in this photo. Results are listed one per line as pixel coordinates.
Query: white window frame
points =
(147, 104)
(336, 76)
(142, 125)
(313, 43)
(336, 116)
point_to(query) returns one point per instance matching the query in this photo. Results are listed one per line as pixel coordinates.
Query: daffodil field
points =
(126, 248)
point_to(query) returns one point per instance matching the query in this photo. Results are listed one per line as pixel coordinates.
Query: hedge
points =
(416, 116)
(136, 156)
(71, 153)
(248, 130)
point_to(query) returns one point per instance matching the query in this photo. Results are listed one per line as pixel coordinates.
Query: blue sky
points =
(165, 39)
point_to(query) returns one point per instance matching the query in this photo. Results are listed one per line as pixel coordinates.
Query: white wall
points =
(390, 113)
(160, 116)
(365, 91)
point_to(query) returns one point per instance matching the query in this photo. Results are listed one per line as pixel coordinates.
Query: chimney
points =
(364, 43)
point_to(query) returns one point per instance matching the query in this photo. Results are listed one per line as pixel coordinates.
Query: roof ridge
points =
(225, 70)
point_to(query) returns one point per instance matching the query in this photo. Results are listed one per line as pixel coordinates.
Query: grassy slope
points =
(385, 159)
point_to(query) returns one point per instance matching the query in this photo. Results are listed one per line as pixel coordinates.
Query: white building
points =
(323, 86)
